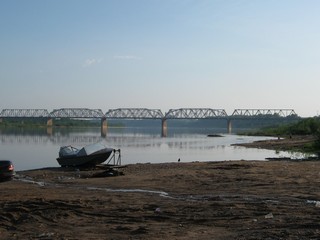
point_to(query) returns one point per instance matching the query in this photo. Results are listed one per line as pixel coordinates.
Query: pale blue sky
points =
(160, 54)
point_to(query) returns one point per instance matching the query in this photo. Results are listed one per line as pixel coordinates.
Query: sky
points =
(160, 54)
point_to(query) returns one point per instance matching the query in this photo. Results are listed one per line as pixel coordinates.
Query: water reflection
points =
(36, 148)
(128, 137)
(34, 136)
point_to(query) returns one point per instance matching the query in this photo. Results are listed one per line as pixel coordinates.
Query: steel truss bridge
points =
(145, 113)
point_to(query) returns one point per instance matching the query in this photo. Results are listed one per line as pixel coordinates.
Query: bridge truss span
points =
(134, 113)
(195, 113)
(76, 113)
(24, 113)
(263, 113)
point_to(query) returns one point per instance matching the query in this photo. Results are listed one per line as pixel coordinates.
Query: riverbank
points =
(293, 143)
(200, 200)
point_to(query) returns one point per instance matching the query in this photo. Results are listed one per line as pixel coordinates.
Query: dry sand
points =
(200, 200)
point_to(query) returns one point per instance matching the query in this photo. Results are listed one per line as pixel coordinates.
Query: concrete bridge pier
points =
(49, 122)
(229, 126)
(104, 127)
(164, 128)
(49, 126)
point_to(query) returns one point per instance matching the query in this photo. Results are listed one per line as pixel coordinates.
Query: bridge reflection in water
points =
(136, 141)
(144, 113)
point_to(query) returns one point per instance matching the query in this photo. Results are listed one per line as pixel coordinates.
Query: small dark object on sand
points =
(107, 173)
(214, 135)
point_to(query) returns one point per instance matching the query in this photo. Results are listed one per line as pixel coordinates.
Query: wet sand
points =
(200, 200)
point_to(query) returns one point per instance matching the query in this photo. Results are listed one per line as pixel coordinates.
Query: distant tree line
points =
(23, 122)
(62, 122)
(308, 126)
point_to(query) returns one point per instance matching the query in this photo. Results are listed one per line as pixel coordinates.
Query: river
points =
(38, 148)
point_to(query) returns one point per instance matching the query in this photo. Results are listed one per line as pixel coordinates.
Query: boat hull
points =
(85, 161)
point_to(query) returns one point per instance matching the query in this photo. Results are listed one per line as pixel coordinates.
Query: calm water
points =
(30, 149)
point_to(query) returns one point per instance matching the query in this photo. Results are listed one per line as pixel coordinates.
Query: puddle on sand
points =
(160, 193)
(42, 184)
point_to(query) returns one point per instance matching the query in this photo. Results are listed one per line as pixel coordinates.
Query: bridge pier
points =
(49, 122)
(104, 127)
(229, 126)
(164, 128)
(49, 126)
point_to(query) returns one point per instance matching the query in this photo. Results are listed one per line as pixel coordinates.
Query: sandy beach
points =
(199, 200)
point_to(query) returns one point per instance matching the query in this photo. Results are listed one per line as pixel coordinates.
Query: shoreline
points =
(295, 143)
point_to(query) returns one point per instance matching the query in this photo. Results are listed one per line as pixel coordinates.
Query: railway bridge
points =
(145, 113)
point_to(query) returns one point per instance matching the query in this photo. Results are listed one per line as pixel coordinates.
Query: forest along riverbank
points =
(224, 200)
